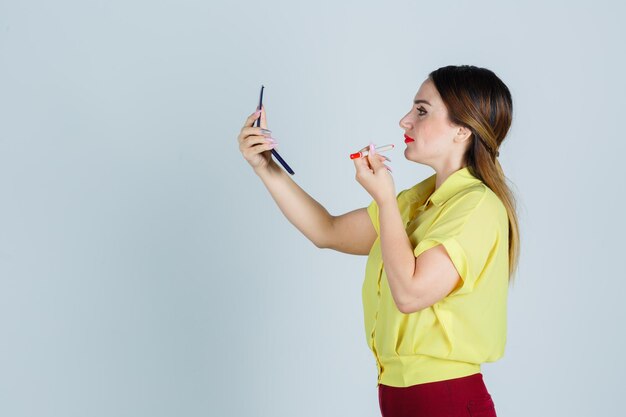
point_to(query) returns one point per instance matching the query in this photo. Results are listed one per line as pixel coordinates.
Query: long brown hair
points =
(477, 99)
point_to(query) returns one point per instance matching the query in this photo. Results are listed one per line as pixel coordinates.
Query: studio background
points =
(146, 271)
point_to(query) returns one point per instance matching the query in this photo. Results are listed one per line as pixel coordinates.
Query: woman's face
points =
(434, 136)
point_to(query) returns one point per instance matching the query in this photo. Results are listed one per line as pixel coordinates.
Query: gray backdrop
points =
(146, 271)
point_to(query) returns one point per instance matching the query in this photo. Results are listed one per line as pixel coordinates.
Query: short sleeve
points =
(469, 233)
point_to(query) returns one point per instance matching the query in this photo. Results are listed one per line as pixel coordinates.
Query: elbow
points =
(323, 241)
(405, 309)
(409, 308)
(407, 300)
(410, 305)
(320, 244)
(406, 306)
(401, 309)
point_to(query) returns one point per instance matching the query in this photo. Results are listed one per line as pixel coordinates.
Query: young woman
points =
(441, 254)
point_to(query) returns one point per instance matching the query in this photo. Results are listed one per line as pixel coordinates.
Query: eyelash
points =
(421, 109)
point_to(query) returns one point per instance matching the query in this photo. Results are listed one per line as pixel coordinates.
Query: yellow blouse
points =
(451, 338)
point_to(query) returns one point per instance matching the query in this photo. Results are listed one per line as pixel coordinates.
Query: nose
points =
(402, 123)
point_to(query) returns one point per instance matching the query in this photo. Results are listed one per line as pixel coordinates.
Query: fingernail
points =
(270, 140)
(257, 112)
(265, 130)
(372, 150)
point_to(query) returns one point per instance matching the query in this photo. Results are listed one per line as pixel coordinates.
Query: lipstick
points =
(366, 152)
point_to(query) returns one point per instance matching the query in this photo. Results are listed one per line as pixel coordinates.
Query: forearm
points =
(304, 212)
(397, 252)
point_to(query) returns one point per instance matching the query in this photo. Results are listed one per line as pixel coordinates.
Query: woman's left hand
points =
(375, 176)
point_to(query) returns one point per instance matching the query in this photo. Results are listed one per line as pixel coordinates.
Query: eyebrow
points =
(421, 101)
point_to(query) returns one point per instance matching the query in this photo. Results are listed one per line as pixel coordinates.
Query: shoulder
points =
(477, 197)
(477, 204)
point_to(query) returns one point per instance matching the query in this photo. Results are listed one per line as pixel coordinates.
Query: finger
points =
(258, 145)
(365, 157)
(256, 139)
(258, 149)
(383, 157)
(374, 161)
(253, 131)
(377, 163)
(373, 164)
(251, 119)
(378, 154)
(361, 165)
(263, 117)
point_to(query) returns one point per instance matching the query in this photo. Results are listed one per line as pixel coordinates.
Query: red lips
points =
(408, 139)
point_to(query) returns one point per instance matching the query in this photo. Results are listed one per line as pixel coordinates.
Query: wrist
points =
(387, 202)
(268, 170)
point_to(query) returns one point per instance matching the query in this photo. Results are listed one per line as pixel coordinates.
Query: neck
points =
(444, 172)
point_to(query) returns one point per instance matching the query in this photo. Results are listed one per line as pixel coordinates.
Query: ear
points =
(463, 134)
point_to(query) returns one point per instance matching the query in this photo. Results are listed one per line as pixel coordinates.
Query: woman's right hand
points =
(255, 143)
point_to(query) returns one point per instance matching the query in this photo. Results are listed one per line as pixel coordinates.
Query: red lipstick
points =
(408, 139)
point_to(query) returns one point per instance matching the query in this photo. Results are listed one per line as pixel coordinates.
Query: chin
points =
(409, 155)
(413, 158)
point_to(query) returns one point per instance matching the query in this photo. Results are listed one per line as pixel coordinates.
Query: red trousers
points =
(466, 396)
